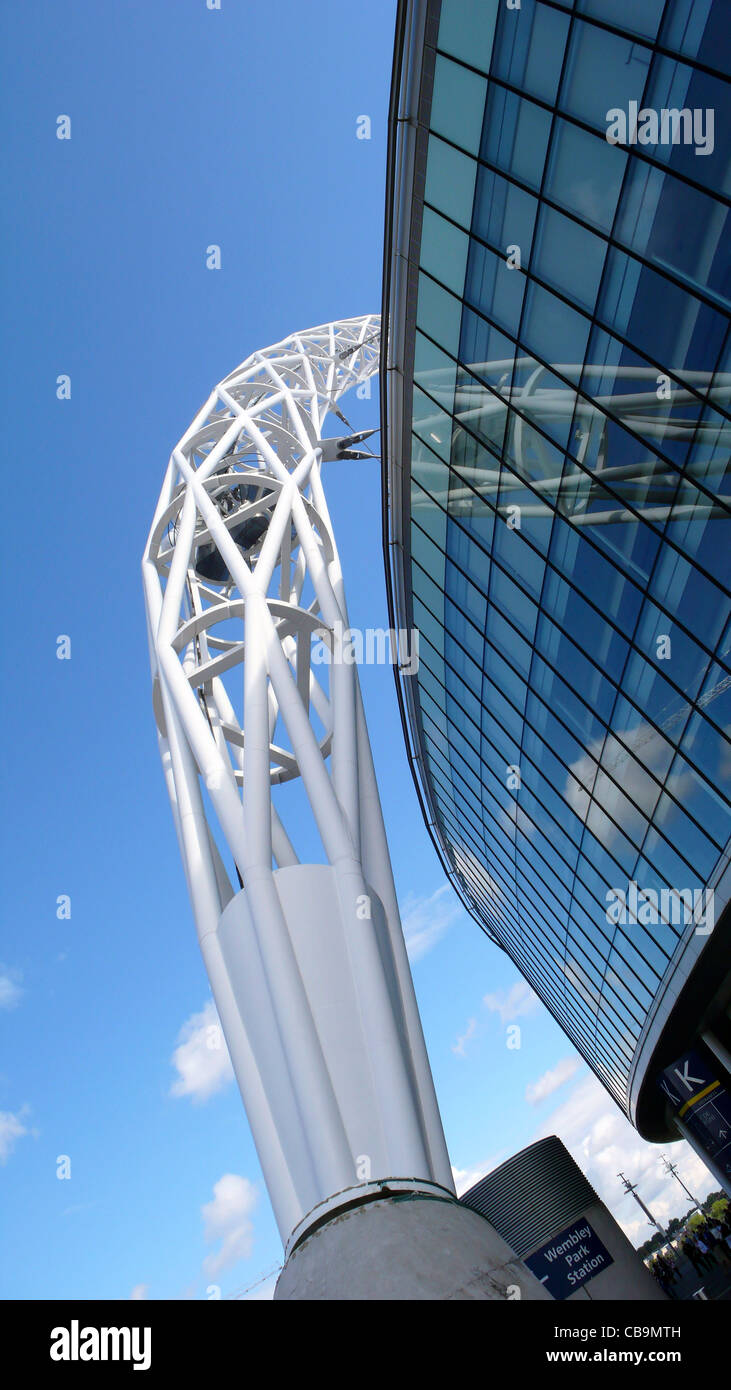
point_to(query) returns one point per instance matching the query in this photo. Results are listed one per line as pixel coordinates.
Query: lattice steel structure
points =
(307, 962)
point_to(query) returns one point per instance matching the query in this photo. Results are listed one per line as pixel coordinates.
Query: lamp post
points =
(673, 1168)
(632, 1187)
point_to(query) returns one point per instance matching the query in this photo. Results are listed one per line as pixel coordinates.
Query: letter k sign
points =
(687, 1080)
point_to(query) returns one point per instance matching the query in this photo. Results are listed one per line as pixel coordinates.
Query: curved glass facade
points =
(560, 355)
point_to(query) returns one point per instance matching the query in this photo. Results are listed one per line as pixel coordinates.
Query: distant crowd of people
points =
(706, 1246)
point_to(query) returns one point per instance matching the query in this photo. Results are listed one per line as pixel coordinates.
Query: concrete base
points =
(406, 1248)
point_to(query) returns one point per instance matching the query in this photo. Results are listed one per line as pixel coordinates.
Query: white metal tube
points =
(311, 1106)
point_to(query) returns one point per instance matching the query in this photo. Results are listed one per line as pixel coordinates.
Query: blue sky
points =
(190, 127)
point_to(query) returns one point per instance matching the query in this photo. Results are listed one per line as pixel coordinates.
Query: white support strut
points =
(307, 961)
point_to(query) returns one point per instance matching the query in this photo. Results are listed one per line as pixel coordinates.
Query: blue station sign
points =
(571, 1259)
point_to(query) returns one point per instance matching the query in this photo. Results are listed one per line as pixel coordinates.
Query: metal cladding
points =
(532, 1195)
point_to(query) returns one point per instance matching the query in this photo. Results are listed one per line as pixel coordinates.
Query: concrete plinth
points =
(406, 1247)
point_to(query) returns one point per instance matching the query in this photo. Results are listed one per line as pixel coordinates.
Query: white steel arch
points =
(307, 962)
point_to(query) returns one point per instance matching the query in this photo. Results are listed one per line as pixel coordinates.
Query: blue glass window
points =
(641, 19)
(585, 174)
(531, 47)
(515, 135)
(458, 104)
(604, 71)
(569, 257)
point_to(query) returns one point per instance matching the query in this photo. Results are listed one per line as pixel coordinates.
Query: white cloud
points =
(427, 917)
(607, 787)
(10, 989)
(11, 1130)
(458, 1048)
(473, 871)
(227, 1219)
(201, 1057)
(551, 1080)
(512, 1003)
(604, 1143)
(139, 1292)
(512, 817)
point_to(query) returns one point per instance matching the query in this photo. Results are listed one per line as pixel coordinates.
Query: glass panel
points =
(604, 71)
(696, 526)
(691, 142)
(519, 559)
(466, 30)
(444, 251)
(641, 19)
(493, 288)
(569, 257)
(431, 518)
(648, 689)
(530, 48)
(509, 643)
(515, 135)
(677, 227)
(690, 597)
(684, 852)
(439, 313)
(709, 748)
(661, 319)
(602, 583)
(715, 700)
(427, 554)
(504, 214)
(488, 353)
(465, 593)
(495, 706)
(626, 387)
(450, 181)
(647, 744)
(430, 627)
(692, 27)
(560, 696)
(498, 670)
(665, 644)
(585, 174)
(553, 330)
(593, 685)
(708, 806)
(514, 602)
(710, 455)
(435, 372)
(458, 104)
(471, 638)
